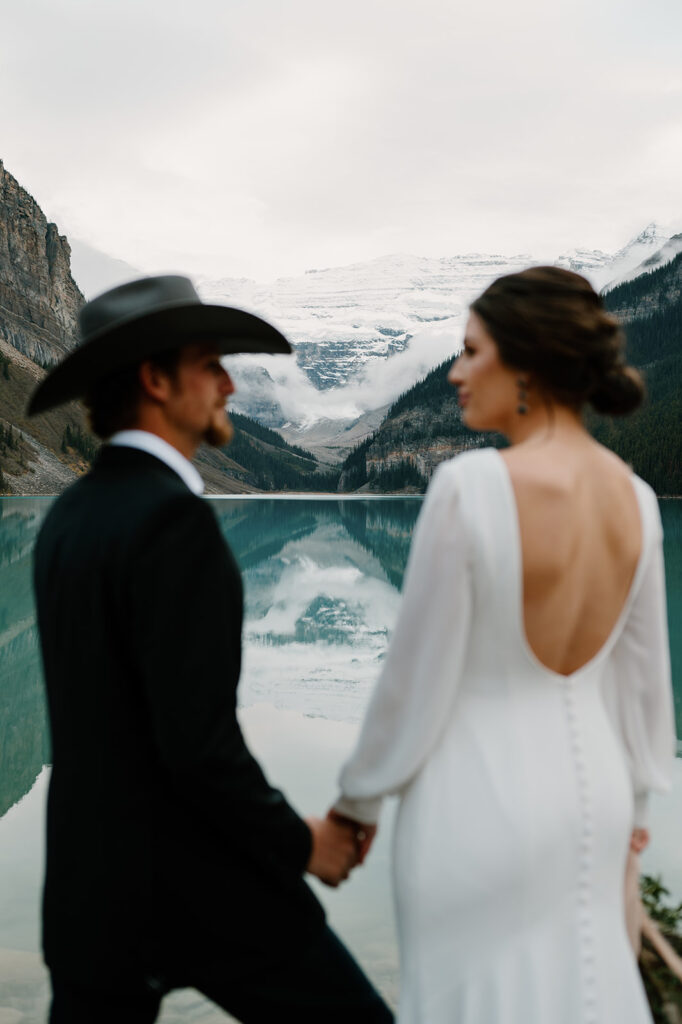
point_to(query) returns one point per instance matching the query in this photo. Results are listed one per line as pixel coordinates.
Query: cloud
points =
(379, 381)
(267, 138)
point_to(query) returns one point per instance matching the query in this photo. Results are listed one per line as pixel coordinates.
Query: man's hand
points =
(364, 834)
(334, 850)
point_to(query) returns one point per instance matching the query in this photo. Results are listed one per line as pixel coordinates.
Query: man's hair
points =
(113, 402)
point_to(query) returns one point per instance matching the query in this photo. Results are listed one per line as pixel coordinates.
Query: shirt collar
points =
(156, 446)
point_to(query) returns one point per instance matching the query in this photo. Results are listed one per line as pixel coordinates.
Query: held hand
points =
(334, 851)
(639, 840)
(364, 834)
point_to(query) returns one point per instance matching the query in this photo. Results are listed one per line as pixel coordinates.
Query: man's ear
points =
(154, 382)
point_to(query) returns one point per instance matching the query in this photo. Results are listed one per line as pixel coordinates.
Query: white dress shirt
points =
(154, 445)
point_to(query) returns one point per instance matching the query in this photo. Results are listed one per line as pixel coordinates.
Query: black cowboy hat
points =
(135, 321)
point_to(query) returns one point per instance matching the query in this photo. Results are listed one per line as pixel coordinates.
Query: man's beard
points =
(219, 431)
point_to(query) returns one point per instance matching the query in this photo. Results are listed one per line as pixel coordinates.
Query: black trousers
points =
(323, 985)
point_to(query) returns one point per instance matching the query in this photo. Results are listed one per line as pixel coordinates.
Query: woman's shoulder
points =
(469, 463)
(468, 481)
(646, 495)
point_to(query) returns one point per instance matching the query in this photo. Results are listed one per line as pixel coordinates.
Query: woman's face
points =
(488, 390)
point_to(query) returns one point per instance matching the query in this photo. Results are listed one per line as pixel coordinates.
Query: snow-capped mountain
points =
(364, 333)
(340, 318)
(605, 270)
(660, 257)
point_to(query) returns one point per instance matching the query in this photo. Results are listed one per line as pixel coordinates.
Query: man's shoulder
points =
(132, 503)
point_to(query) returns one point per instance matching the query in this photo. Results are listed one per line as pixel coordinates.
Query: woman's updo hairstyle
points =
(550, 323)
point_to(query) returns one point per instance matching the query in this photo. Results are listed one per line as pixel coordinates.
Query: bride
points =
(524, 711)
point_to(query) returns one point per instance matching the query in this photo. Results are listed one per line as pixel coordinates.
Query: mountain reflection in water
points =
(24, 743)
(322, 582)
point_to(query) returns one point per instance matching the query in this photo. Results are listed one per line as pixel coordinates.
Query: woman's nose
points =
(228, 384)
(454, 375)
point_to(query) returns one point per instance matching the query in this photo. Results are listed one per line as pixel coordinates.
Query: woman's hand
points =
(364, 834)
(334, 850)
(639, 840)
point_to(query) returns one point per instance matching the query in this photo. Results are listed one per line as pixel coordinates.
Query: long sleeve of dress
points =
(414, 695)
(639, 689)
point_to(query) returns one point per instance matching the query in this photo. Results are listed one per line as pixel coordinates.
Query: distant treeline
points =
(651, 439)
(249, 426)
(658, 286)
(272, 464)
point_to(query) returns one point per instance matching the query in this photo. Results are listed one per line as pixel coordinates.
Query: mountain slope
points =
(424, 426)
(651, 439)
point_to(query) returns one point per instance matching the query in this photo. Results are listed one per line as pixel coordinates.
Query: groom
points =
(171, 861)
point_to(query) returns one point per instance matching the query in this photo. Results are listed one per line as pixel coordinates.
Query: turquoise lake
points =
(322, 580)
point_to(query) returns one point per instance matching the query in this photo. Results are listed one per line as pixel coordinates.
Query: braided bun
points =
(551, 323)
(618, 392)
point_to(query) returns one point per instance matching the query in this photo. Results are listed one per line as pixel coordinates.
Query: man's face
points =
(195, 406)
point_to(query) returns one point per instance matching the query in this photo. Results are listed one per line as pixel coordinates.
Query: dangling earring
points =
(522, 407)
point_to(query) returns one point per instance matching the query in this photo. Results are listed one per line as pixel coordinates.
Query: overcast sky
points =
(261, 138)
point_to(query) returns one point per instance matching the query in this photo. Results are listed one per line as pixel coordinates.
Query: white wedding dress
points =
(519, 787)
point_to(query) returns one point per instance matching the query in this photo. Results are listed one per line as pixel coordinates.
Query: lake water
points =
(322, 580)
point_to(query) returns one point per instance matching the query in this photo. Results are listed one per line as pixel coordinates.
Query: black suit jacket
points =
(164, 839)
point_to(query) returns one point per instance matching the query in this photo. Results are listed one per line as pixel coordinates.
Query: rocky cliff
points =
(39, 300)
(39, 303)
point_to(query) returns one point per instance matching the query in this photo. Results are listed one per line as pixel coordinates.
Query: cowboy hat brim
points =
(131, 341)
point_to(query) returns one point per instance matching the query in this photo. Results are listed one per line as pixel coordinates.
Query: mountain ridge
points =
(375, 332)
(424, 426)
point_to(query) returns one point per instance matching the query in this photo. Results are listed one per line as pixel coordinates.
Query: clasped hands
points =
(339, 845)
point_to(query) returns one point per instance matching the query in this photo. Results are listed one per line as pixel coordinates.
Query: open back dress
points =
(519, 787)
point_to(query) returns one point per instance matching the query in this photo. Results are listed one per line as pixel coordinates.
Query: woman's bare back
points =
(581, 538)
